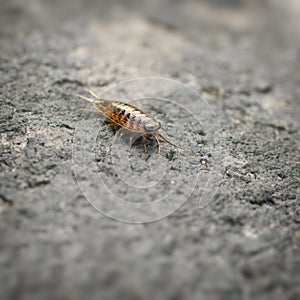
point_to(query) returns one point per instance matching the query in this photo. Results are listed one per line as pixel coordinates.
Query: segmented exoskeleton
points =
(129, 117)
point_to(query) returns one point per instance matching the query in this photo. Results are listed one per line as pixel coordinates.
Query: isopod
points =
(129, 117)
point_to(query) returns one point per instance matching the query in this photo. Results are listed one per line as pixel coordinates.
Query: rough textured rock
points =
(243, 59)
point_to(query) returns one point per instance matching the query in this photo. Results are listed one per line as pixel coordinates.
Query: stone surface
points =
(244, 61)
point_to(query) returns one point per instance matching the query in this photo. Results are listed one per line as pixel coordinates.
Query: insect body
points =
(130, 118)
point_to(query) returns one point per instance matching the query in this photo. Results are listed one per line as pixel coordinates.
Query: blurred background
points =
(227, 45)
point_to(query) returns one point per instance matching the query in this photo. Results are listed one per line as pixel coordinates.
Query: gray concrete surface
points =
(244, 59)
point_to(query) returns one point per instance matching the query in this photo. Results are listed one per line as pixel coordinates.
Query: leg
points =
(144, 139)
(130, 141)
(167, 141)
(105, 125)
(158, 144)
